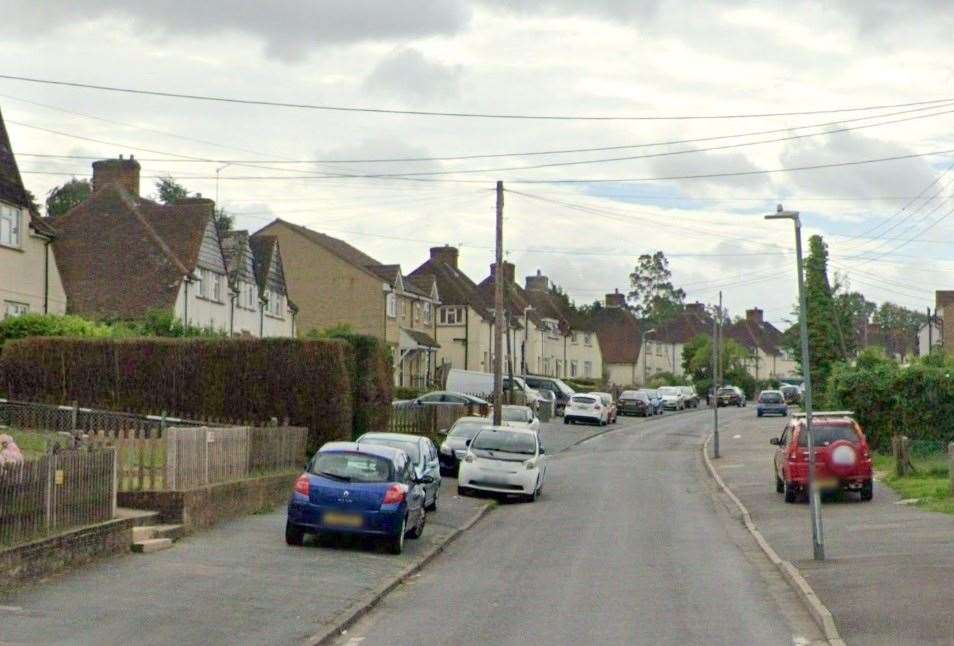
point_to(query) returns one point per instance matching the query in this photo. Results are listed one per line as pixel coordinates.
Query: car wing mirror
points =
(775, 441)
(442, 431)
(543, 451)
(425, 479)
(467, 442)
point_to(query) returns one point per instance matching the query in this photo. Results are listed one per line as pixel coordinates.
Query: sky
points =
(886, 223)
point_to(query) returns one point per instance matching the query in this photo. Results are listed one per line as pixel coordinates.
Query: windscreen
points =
(519, 414)
(411, 448)
(826, 434)
(467, 430)
(770, 398)
(583, 400)
(353, 467)
(504, 441)
(632, 394)
(669, 391)
(726, 391)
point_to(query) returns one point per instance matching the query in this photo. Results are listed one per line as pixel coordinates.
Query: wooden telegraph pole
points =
(498, 311)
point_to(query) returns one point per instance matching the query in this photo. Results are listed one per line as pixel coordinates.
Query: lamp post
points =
(814, 499)
(642, 346)
(526, 331)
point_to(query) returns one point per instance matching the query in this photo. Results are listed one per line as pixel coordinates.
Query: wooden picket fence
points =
(428, 420)
(59, 491)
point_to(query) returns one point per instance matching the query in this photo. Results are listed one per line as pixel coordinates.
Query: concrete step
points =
(149, 545)
(172, 532)
(138, 516)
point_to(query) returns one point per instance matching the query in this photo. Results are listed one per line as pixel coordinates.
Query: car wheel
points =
(396, 543)
(418, 528)
(779, 484)
(758, 413)
(463, 491)
(791, 493)
(433, 505)
(566, 421)
(867, 490)
(294, 535)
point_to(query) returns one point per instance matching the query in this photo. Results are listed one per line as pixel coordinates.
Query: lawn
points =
(930, 484)
(33, 444)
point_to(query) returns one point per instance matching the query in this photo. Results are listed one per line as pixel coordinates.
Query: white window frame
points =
(391, 305)
(427, 312)
(248, 295)
(216, 283)
(200, 283)
(11, 226)
(587, 339)
(12, 309)
(573, 368)
(587, 369)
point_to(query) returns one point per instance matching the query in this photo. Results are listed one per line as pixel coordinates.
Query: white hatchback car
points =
(523, 416)
(504, 460)
(586, 408)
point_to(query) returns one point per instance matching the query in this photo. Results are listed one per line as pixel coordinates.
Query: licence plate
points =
(826, 483)
(343, 520)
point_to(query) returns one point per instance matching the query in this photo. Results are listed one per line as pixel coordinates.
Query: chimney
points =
(446, 254)
(207, 205)
(538, 283)
(754, 315)
(509, 271)
(616, 299)
(696, 308)
(124, 172)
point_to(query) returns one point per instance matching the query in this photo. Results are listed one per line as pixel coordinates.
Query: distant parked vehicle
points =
(531, 395)
(585, 409)
(423, 456)
(656, 399)
(730, 396)
(771, 402)
(441, 398)
(690, 395)
(351, 489)
(457, 438)
(554, 385)
(522, 416)
(482, 383)
(842, 457)
(504, 460)
(791, 394)
(673, 398)
(609, 404)
(635, 402)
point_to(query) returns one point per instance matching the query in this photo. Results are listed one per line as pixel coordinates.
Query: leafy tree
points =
(826, 339)
(697, 363)
(62, 198)
(899, 327)
(853, 312)
(653, 293)
(168, 190)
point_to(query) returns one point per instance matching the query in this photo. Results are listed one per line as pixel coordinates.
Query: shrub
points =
(309, 382)
(404, 392)
(371, 379)
(20, 327)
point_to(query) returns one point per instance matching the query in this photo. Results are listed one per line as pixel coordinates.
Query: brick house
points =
(336, 284)
(768, 359)
(619, 334)
(29, 278)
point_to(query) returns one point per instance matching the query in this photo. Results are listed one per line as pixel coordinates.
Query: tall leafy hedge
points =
(371, 379)
(915, 400)
(307, 381)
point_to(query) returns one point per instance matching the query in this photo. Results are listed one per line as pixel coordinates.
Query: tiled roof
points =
(422, 284)
(453, 286)
(752, 335)
(421, 338)
(122, 256)
(262, 249)
(618, 331)
(11, 185)
(233, 244)
(683, 327)
(338, 247)
(515, 301)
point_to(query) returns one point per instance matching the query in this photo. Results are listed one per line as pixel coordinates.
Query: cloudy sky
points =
(886, 222)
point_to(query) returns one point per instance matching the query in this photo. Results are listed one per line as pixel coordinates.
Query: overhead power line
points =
(429, 113)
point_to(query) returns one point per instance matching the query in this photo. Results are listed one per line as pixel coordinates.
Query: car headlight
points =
(469, 458)
(530, 464)
(446, 450)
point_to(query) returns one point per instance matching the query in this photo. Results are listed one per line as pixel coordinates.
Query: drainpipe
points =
(46, 277)
(232, 297)
(466, 336)
(261, 319)
(185, 302)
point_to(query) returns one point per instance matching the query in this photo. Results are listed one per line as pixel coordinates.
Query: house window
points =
(427, 312)
(573, 338)
(200, 283)
(11, 309)
(416, 309)
(392, 305)
(248, 296)
(451, 316)
(558, 366)
(216, 283)
(403, 308)
(275, 305)
(573, 368)
(587, 369)
(588, 339)
(209, 285)
(9, 226)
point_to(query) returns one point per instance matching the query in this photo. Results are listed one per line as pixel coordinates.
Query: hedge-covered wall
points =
(372, 380)
(307, 381)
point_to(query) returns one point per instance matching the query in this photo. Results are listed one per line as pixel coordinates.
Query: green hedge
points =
(371, 378)
(309, 382)
(916, 400)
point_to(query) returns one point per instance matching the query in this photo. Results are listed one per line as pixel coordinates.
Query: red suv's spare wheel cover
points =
(842, 457)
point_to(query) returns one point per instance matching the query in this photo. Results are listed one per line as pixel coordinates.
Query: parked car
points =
(730, 396)
(609, 404)
(791, 394)
(842, 458)
(442, 398)
(771, 402)
(690, 395)
(673, 398)
(586, 408)
(554, 385)
(656, 399)
(455, 443)
(504, 460)
(423, 456)
(531, 395)
(635, 402)
(369, 490)
(522, 416)
(472, 381)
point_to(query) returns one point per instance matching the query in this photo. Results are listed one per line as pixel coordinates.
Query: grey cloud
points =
(709, 163)
(377, 148)
(408, 75)
(289, 29)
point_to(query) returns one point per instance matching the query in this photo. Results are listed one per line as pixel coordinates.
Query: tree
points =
(899, 327)
(697, 362)
(62, 198)
(168, 190)
(826, 339)
(653, 293)
(853, 312)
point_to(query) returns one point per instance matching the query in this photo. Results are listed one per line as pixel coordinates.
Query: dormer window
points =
(9, 226)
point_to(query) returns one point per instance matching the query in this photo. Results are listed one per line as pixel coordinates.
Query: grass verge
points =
(930, 484)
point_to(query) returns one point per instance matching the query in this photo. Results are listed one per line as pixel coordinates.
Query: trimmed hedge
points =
(309, 382)
(371, 380)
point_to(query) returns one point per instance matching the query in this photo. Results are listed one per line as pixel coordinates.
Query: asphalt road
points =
(630, 544)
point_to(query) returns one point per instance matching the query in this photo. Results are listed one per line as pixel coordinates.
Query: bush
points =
(21, 327)
(403, 392)
(254, 380)
(371, 379)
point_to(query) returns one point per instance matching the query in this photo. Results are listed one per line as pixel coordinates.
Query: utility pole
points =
(814, 499)
(715, 391)
(930, 323)
(498, 310)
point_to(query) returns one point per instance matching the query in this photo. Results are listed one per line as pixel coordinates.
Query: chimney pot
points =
(124, 172)
(616, 299)
(539, 282)
(755, 315)
(508, 271)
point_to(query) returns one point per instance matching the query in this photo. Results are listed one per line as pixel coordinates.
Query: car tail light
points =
(394, 495)
(302, 484)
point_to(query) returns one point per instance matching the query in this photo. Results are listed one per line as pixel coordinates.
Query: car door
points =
(415, 497)
(431, 467)
(781, 450)
(542, 459)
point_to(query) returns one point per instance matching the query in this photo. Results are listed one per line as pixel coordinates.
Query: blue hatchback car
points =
(355, 488)
(771, 402)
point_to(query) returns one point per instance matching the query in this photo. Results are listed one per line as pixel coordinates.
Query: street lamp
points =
(526, 331)
(814, 499)
(642, 346)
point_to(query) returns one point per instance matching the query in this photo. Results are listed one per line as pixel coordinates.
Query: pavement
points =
(889, 573)
(631, 543)
(237, 583)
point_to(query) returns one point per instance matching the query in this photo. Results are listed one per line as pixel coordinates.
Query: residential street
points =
(628, 545)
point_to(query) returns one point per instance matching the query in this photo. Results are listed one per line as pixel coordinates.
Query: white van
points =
(481, 384)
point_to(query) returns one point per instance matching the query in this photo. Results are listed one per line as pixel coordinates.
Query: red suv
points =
(842, 458)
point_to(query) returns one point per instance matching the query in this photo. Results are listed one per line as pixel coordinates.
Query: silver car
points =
(423, 457)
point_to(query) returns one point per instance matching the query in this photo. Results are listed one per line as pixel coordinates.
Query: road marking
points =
(736, 437)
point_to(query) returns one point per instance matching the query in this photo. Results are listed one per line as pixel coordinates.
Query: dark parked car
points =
(771, 402)
(351, 489)
(454, 447)
(730, 396)
(561, 391)
(791, 394)
(441, 398)
(635, 402)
